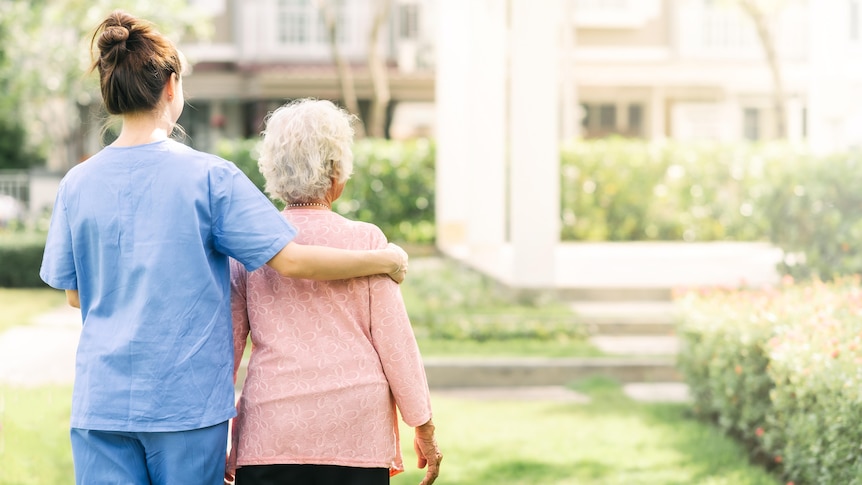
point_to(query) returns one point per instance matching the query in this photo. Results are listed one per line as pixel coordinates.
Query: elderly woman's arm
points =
(324, 263)
(393, 339)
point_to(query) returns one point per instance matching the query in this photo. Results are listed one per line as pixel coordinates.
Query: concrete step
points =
(529, 372)
(639, 391)
(627, 317)
(453, 372)
(614, 293)
(637, 345)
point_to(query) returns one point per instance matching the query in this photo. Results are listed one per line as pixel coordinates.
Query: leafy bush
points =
(791, 358)
(629, 190)
(392, 185)
(21, 254)
(450, 302)
(14, 153)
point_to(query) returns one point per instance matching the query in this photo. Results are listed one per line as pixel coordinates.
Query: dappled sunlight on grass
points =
(34, 436)
(608, 442)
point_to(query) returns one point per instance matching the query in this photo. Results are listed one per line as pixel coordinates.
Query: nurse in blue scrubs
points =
(140, 239)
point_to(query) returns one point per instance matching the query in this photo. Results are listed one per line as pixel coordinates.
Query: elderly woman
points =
(330, 361)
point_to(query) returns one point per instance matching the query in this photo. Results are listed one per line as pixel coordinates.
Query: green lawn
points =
(19, 306)
(607, 442)
(611, 441)
(34, 436)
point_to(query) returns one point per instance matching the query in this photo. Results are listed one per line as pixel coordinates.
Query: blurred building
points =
(696, 69)
(264, 52)
(515, 78)
(683, 69)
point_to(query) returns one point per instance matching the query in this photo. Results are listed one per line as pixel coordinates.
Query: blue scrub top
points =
(144, 234)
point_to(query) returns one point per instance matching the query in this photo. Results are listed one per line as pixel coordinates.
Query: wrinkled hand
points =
(399, 274)
(428, 452)
(228, 476)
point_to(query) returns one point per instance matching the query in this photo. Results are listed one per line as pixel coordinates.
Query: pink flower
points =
(759, 432)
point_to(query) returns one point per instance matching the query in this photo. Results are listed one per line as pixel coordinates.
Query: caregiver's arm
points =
(325, 263)
(72, 298)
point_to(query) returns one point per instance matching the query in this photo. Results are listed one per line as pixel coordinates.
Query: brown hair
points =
(134, 61)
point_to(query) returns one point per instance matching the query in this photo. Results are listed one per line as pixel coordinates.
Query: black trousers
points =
(310, 475)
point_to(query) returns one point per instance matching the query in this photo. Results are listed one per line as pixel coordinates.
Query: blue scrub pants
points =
(152, 458)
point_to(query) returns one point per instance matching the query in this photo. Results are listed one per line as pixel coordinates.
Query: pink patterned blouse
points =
(330, 361)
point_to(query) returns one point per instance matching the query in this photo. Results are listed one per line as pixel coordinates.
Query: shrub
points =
(629, 190)
(792, 357)
(448, 301)
(21, 254)
(392, 185)
(14, 153)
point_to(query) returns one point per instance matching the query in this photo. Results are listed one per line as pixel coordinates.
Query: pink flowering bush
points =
(780, 369)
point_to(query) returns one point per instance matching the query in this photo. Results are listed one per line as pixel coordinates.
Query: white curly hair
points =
(305, 142)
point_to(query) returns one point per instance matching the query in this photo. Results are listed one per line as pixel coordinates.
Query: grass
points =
(610, 441)
(21, 305)
(34, 435)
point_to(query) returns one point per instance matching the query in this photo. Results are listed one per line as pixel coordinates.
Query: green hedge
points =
(392, 185)
(627, 190)
(21, 257)
(779, 369)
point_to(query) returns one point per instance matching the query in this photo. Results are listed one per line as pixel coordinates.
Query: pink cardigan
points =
(329, 363)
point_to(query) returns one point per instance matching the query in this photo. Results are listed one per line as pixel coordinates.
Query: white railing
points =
(15, 183)
(14, 194)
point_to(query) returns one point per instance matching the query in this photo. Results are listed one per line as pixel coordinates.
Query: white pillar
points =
(452, 127)
(570, 118)
(485, 112)
(826, 105)
(534, 140)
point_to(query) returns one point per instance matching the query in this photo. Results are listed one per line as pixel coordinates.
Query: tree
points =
(756, 11)
(345, 76)
(376, 122)
(46, 54)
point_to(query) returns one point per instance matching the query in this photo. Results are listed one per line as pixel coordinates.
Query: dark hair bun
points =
(113, 37)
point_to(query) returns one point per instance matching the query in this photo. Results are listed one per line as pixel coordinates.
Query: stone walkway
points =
(44, 353)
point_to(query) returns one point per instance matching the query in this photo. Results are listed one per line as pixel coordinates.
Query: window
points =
(607, 117)
(301, 22)
(751, 124)
(408, 21)
(636, 120)
(292, 22)
(586, 116)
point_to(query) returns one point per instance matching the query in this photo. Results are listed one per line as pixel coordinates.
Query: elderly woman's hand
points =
(428, 452)
(401, 272)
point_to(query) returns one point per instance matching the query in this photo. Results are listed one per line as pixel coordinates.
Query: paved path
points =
(41, 353)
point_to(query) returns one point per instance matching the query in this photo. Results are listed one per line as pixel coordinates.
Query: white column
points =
(826, 105)
(485, 112)
(453, 57)
(534, 140)
(570, 118)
